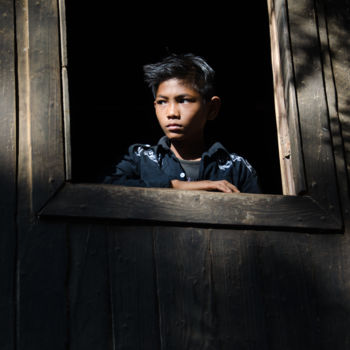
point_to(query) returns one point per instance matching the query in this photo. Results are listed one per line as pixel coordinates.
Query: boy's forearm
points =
(187, 185)
(205, 185)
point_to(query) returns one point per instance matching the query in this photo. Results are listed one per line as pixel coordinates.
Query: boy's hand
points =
(205, 185)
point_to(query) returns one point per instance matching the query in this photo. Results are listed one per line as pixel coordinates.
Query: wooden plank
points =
(287, 119)
(288, 183)
(90, 315)
(42, 294)
(238, 290)
(65, 90)
(190, 207)
(42, 259)
(338, 17)
(290, 98)
(313, 111)
(334, 19)
(63, 32)
(186, 303)
(41, 152)
(45, 101)
(66, 123)
(133, 288)
(7, 176)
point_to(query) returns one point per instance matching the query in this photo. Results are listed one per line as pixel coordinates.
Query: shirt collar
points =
(164, 142)
(217, 147)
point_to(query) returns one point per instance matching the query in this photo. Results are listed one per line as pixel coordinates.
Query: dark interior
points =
(111, 107)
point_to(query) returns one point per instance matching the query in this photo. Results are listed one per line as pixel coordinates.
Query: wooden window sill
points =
(100, 201)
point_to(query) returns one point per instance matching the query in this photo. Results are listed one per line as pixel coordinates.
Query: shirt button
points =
(182, 175)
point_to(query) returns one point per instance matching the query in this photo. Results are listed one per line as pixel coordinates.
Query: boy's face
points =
(181, 111)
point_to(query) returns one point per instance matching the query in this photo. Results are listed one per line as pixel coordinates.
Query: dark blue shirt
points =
(156, 166)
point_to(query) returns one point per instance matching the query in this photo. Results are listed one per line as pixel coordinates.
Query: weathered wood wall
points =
(8, 152)
(93, 283)
(41, 274)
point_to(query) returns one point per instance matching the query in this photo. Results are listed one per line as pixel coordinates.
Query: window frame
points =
(310, 198)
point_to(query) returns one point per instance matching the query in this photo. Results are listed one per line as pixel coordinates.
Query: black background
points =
(111, 106)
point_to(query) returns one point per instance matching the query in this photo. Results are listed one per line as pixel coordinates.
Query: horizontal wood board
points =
(191, 207)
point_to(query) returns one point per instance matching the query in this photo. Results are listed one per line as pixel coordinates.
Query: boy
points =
(183, 88)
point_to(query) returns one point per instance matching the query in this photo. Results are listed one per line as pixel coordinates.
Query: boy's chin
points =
(184, 138)
(176, 137)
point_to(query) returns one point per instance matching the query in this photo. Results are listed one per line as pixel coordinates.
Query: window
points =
(112, 108)
(304, 111)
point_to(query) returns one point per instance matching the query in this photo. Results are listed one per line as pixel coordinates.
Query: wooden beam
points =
(313, 110)
(42, 318)
(287, 118)
(65, 90)
(189, 207)
(288, 185)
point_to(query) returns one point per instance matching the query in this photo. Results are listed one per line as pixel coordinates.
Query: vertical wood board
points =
(42, 259)
(334, 22)
(237, 292)
(41, 152)
(338, 26)
(312, 104)
(65, 89)
(287, 117)
(8, 149)
(185, 289)
(133, 288)
(89, 302)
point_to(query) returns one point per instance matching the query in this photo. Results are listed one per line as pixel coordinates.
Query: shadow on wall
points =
(288, 289)
(239, 290)
(338, 29)
(329, 34)
(190, 288)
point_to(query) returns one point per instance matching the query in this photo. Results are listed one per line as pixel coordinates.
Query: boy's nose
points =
(173, 111)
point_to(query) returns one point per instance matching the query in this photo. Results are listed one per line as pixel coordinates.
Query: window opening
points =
(111, 107)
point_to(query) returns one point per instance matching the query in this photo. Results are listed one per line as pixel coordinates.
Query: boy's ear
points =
(214, 107)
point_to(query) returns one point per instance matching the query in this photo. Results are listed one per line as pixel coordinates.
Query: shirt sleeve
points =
(126, 172)
(137, 170)
(248, 182)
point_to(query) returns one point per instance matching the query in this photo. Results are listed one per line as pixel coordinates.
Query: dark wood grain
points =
(90, 314)
(184, 281)
(291, 155)
(334, 19)
(8, 161)
(237, 291)
(200, 207)
(41, 152)
(312, 104)
(42, 256)
(133, 288)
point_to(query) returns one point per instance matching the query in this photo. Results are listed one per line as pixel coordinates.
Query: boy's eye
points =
(160, 102)
(186, 100)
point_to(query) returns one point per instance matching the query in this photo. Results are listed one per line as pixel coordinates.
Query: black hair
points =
(194, 69)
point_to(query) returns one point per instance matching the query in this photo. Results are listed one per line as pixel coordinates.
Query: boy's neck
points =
(186, 151)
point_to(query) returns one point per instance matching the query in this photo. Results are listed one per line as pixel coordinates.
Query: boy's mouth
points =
(174, 126)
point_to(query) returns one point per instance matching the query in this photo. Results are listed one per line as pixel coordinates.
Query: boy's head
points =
(189, 68)
(183, 88)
